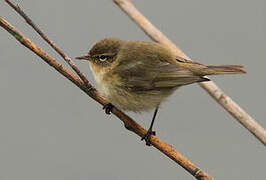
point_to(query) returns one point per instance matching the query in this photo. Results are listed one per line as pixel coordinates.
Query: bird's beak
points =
(83, 57)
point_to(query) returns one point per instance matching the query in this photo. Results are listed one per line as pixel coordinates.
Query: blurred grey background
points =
(49, 129)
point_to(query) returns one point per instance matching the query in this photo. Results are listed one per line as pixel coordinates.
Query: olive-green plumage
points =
(137, 76)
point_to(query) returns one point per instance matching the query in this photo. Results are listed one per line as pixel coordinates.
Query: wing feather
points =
(154, 75)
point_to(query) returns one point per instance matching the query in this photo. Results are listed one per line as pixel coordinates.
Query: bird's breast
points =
(99, 76)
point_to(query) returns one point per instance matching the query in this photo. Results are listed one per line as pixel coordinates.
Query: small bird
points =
(138, 76)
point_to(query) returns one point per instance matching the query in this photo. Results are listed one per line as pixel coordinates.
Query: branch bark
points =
(212, 89)
(129, 123)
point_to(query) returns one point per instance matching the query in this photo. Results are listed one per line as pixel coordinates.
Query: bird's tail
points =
(203, 70)
(223, 69)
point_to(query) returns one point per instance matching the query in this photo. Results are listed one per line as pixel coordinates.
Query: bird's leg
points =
(147, 136)
(108, 108)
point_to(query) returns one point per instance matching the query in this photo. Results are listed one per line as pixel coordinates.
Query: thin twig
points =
(224, 100)
(129, 123)
(51, 43)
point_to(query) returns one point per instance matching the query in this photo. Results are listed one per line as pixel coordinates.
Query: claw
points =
(108, 108)
(147, 137)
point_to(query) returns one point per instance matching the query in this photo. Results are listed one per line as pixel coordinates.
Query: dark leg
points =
(108, 108)
(147, 136)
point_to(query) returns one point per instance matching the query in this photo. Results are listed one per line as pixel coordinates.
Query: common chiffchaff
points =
(137, 76)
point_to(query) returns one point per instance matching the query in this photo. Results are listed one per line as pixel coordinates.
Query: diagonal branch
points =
(51, 43)
(212, 89)
(129, 123)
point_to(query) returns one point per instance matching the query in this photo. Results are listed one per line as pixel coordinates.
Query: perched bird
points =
(138, 76)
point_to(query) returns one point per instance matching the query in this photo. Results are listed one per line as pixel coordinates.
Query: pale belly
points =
(134, 101)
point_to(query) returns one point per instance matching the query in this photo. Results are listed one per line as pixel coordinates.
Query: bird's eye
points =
(103, 58)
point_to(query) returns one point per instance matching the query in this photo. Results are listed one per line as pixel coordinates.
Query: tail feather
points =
(224, 69)
(203, 70)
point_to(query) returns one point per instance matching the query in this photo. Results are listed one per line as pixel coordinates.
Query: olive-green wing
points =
(154, 75)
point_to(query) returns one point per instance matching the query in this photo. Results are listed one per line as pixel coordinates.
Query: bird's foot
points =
(147, 137)
(108, 108)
